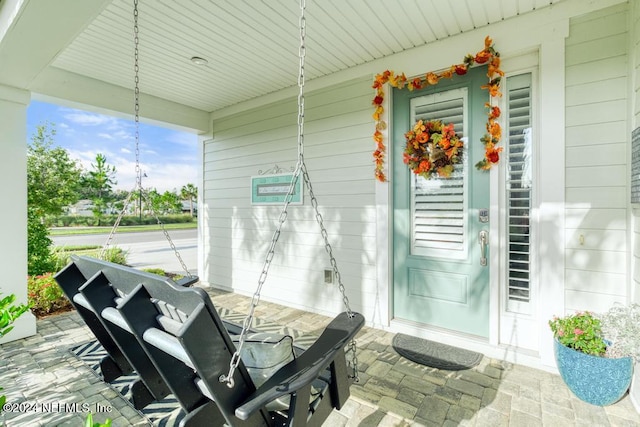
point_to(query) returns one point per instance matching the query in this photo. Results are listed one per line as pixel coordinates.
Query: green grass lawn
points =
(66, 231)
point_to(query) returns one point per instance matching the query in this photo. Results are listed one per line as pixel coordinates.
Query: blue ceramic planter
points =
(597, 380)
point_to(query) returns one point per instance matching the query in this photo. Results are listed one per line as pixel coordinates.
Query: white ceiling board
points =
(251, 45)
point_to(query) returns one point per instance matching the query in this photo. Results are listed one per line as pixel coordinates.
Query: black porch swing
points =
(174, 339)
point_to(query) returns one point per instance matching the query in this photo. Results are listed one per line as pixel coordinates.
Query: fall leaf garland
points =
(490, 140)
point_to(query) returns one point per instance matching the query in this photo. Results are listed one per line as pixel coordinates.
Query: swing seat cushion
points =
(264, 353)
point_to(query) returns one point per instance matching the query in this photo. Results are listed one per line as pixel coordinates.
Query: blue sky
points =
(168, 157)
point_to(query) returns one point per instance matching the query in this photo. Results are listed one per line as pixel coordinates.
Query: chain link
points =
(105, 247)
(142, 194)
(300, 168)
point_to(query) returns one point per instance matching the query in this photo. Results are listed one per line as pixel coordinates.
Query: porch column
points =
(13, 193)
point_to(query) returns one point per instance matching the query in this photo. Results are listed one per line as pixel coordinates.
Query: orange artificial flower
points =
(432, 78)
(377, 136)
(461, 69)
(482, 56)
(396, 80)
(415, 84)
(453, 151)
(493, 155)
(494, 111)
(494, 67)
(494, 88)
(378, 113)
(494, 129)
(381, 79)
(447, 131)
(446, 74)
(424, 166)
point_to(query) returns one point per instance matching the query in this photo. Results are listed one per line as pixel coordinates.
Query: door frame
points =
(498, 317)
(548, 48)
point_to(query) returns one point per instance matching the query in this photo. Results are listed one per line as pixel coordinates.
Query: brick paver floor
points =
(55, 388)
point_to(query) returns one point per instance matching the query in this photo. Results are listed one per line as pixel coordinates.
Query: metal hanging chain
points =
(142, 194)
(300, 169)
(105, 247)
(314, 202)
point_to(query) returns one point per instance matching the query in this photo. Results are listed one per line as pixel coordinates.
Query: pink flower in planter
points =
(578, 331)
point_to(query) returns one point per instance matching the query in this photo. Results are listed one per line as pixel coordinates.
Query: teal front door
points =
(440, 225)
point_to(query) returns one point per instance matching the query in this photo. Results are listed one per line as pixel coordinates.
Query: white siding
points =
(635, 213)
(596, 174)
(338, 149)
(635, 259)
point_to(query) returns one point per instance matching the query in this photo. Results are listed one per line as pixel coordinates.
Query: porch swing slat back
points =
(187, 348)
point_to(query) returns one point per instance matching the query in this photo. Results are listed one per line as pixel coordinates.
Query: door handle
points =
(483, 240)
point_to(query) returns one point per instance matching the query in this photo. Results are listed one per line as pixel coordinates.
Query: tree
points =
(163, 204)
(189, 192)
(52, 177)
(100, 181)
(171, 202)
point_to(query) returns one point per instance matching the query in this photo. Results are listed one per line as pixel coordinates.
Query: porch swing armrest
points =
(307, 367)
(187, 281)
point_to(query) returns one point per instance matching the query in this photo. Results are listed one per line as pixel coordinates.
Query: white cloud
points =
(88, 119)
(122, 134)
(170, 155)
(183, 138)
(162, 177)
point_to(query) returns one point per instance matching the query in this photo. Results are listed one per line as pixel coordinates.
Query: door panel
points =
(438, 278)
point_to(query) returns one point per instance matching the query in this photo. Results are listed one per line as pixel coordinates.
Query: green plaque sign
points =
(272, 189)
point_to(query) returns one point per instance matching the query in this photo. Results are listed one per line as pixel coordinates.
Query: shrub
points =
(89, 422)
(39, 257)
(115, 255)
(158, 271)
(9, 313)
(45, 296)
(62, 255)
(621, 326)
(109, 220)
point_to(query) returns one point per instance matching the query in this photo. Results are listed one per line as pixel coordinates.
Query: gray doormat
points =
(434, 354)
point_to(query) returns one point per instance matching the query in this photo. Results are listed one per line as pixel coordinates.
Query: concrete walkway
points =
(51, 387)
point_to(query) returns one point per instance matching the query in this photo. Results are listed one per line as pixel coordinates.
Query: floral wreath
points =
(488, 55)
(432, 148)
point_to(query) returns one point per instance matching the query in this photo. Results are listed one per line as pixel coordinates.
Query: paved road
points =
(148, 249)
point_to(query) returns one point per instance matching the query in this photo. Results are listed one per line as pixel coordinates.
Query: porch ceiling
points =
(251, 46)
